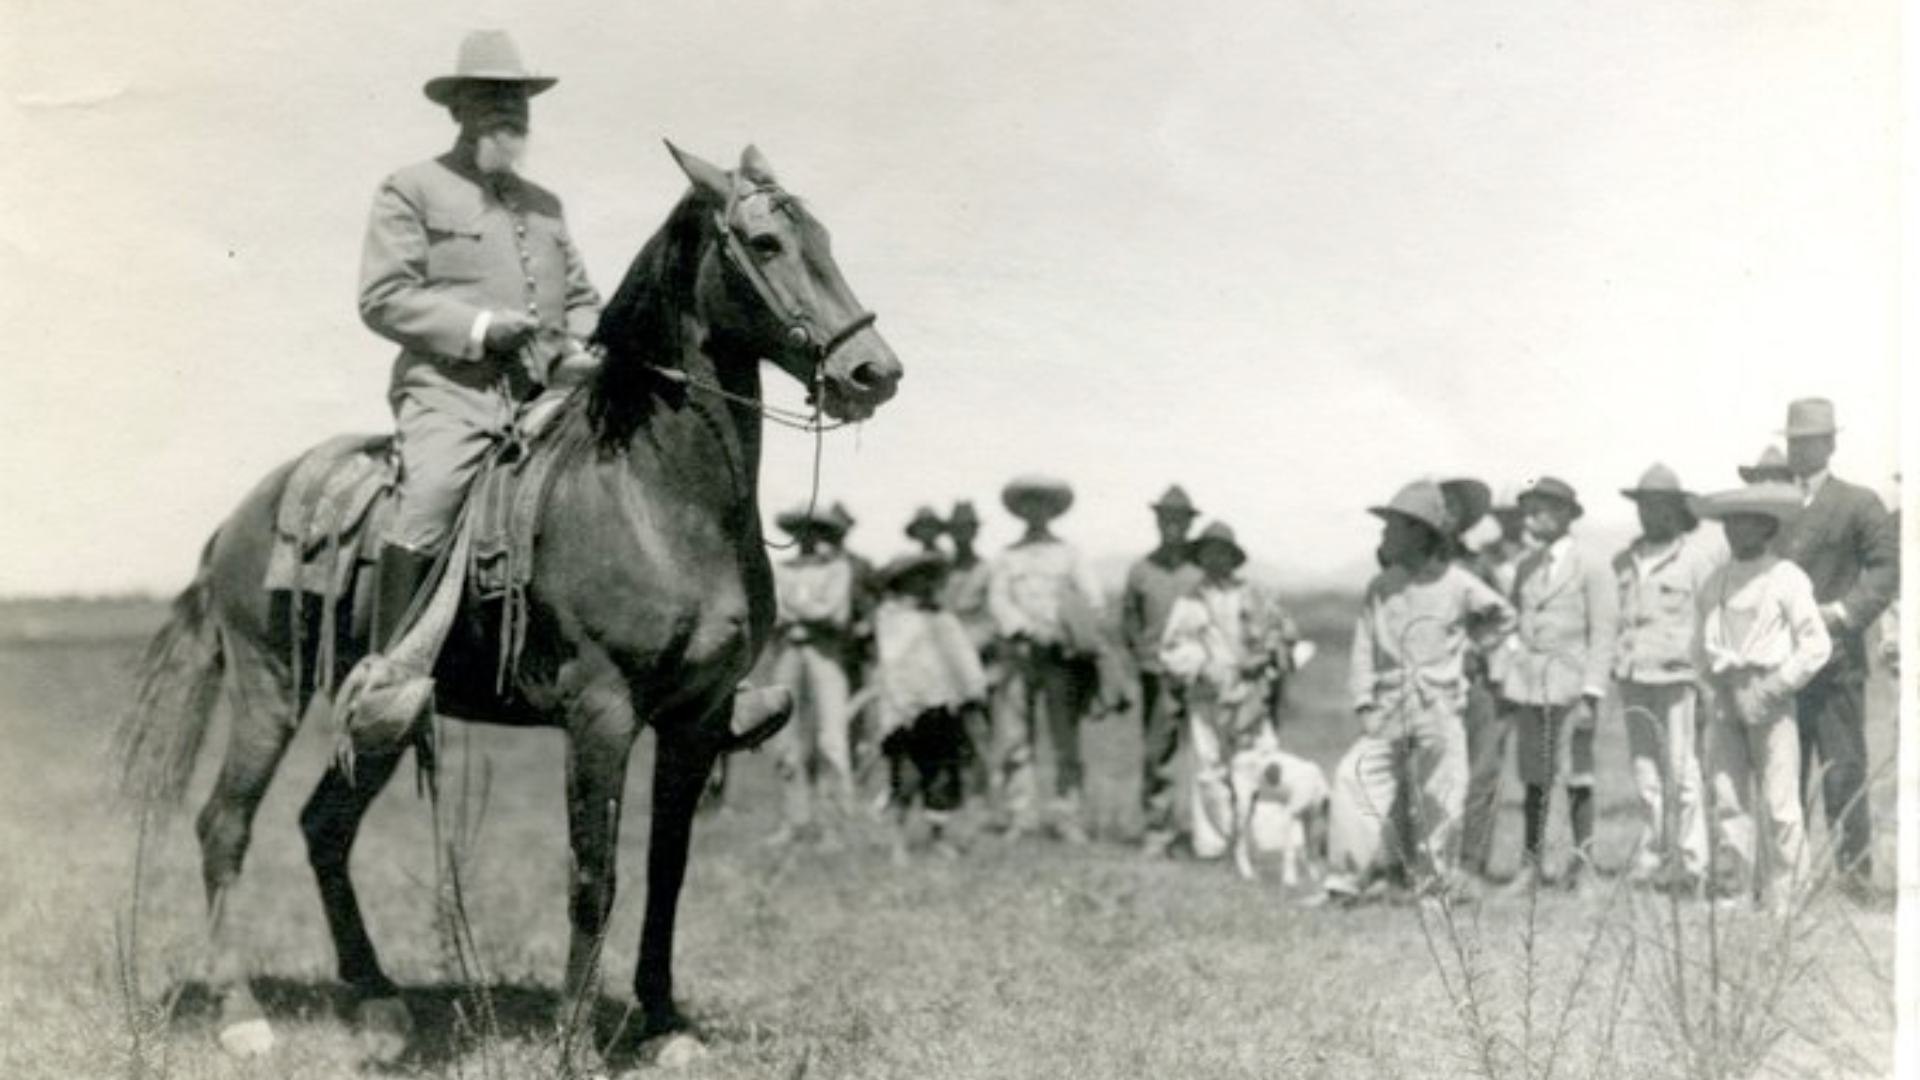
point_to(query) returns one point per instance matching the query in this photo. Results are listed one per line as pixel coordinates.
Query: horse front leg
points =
(683, 757)
(600, 740)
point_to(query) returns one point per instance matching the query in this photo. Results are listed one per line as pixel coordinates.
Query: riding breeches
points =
(445, 429)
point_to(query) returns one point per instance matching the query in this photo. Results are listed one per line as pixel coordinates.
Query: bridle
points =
(801, 331)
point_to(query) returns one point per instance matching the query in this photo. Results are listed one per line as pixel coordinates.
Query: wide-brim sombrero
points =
(1780, 502)
(1037, 496)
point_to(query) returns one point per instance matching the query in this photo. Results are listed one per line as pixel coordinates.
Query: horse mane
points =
(640, 328)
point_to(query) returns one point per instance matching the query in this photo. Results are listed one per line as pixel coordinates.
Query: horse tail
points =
(158, 739)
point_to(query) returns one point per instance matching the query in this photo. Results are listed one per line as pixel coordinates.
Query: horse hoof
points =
(247, 1038)
(384, 1028)
(679, 1050)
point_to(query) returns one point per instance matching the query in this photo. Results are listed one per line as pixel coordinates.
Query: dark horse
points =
(651, 593)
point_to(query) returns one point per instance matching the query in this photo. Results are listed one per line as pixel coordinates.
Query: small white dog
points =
(1279, 811)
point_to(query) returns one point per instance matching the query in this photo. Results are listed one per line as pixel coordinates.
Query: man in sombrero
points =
(1660, 575)
(809, 656)
(1230, 645)
(470, 269)
(1045, 602)
(1154, 583)
(1762, 641)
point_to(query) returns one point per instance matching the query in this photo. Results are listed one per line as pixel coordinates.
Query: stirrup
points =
(378, 707)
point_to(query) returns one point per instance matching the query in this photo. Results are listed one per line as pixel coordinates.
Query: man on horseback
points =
(470, 269)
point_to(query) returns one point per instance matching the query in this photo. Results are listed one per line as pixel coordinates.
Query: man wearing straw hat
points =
(1844, 540)
(1154, 583)
(1762, 640)
(471, 271)
(1399, 791)
(1045, 603)
(1557, 665)
(1659, 576)
(1230, 645)
(812, 639)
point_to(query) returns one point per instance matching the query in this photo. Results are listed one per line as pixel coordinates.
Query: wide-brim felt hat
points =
(1552, 487)
(1421, 501)
(803, 519)
(1467, 501)
(1780, 502)
(486, 56)
(1810, 416)
(1037, 496)
(1771, 465)
(924, 524)
(1659, 481)
(898, 573)
(1175, 501)
(1220, 534)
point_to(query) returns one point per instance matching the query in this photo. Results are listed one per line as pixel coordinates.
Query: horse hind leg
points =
(331, 821)
(260, 701)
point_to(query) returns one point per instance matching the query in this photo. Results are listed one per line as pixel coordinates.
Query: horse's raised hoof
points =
(679, 1050)
(247, 1038)
(384, 1028)
(759, 712)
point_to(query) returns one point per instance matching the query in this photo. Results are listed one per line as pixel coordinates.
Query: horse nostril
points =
(871, 375)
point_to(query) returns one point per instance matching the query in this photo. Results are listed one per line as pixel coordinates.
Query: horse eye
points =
(766, 245)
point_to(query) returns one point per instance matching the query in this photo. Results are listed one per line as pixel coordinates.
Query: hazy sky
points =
(1287, 253)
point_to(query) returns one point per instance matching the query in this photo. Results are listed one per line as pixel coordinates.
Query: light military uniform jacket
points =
(444, 249)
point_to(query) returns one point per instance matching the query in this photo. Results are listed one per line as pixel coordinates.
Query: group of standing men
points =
(1031, 617)
(1749, 656)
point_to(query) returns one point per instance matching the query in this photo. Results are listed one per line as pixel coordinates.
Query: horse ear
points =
(709, 178)
(755, 167)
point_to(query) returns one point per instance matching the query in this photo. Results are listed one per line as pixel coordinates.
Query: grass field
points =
(1029, 961)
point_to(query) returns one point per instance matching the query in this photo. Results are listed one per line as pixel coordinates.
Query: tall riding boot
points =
(397, 578)
(1535, 808)
(1580, 814)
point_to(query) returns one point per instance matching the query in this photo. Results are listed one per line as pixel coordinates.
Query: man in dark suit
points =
(1845, 541)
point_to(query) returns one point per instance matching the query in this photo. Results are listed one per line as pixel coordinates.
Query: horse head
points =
(773, 267)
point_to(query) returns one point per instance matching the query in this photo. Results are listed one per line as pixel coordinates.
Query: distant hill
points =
(79, 619)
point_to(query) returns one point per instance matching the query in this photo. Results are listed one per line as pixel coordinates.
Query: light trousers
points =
(812, 753)
(1754, 765)
(1397, 798)
(1661, 741)
(1216, 730)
